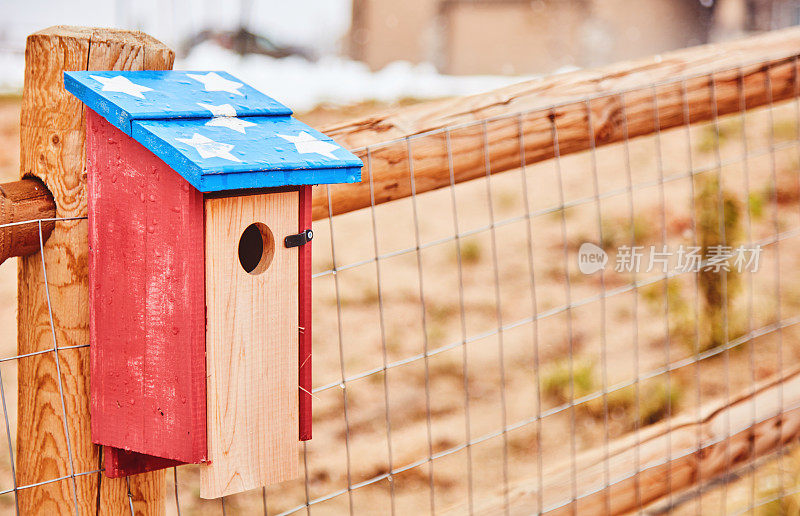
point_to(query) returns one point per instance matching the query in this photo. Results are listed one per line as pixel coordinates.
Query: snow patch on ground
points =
(302, 85)
(12, 72)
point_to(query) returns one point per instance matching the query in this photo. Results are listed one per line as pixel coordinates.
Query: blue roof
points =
(214, 130)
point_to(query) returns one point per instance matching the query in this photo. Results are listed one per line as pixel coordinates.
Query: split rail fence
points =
(463, 362)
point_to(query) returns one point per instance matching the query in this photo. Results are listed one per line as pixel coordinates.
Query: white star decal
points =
(121, 84)
(215, 82)
(221, 110)
(307, 144)
(208, 148)
(231, 122)
(225, 116)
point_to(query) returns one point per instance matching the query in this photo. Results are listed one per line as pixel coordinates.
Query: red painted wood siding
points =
(147, 302)
(304, 321)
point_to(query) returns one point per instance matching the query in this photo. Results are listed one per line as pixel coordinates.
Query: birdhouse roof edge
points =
(222, 144)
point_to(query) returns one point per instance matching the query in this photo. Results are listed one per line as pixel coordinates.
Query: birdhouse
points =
(200, 255)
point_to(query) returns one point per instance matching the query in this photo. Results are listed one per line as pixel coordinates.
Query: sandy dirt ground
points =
(499, 339)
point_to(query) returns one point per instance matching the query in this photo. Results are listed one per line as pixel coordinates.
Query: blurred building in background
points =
(524, 36)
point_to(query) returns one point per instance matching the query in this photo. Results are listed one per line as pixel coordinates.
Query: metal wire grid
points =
(595, 199)
(569, 408)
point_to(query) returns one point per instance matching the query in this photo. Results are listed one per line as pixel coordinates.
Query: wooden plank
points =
(52, 138)
(665, 458)
(528, 110)
(147, 303)
(304, 320)
(251, 348)
(128, 50)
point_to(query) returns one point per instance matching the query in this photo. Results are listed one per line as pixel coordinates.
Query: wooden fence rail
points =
(668, 457)
(624, 100)
(24, 200)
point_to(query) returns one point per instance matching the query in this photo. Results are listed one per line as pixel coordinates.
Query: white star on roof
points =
(215, 82)
(121, 84)
(231, 122)
(307, 144)
(208, 148)
(221, 110)
(225, 116)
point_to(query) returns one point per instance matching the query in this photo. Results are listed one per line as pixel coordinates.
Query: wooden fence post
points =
(52, 149)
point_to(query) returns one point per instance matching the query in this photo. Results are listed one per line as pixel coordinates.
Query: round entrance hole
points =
(256, 248)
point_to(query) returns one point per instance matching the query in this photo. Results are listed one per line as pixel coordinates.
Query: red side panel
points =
(147, 303)
(304, 303)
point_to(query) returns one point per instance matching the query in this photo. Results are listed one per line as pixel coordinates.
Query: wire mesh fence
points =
(467, 349)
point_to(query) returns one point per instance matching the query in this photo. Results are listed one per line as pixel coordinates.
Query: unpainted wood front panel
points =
(251, 348)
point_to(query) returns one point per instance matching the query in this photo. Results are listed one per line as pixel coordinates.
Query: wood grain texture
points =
(52, 148)
(668, 456)
(528, 110)
(251, 349)
(27, 199)
(147, 303)
(142, 494)
(304, 317)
